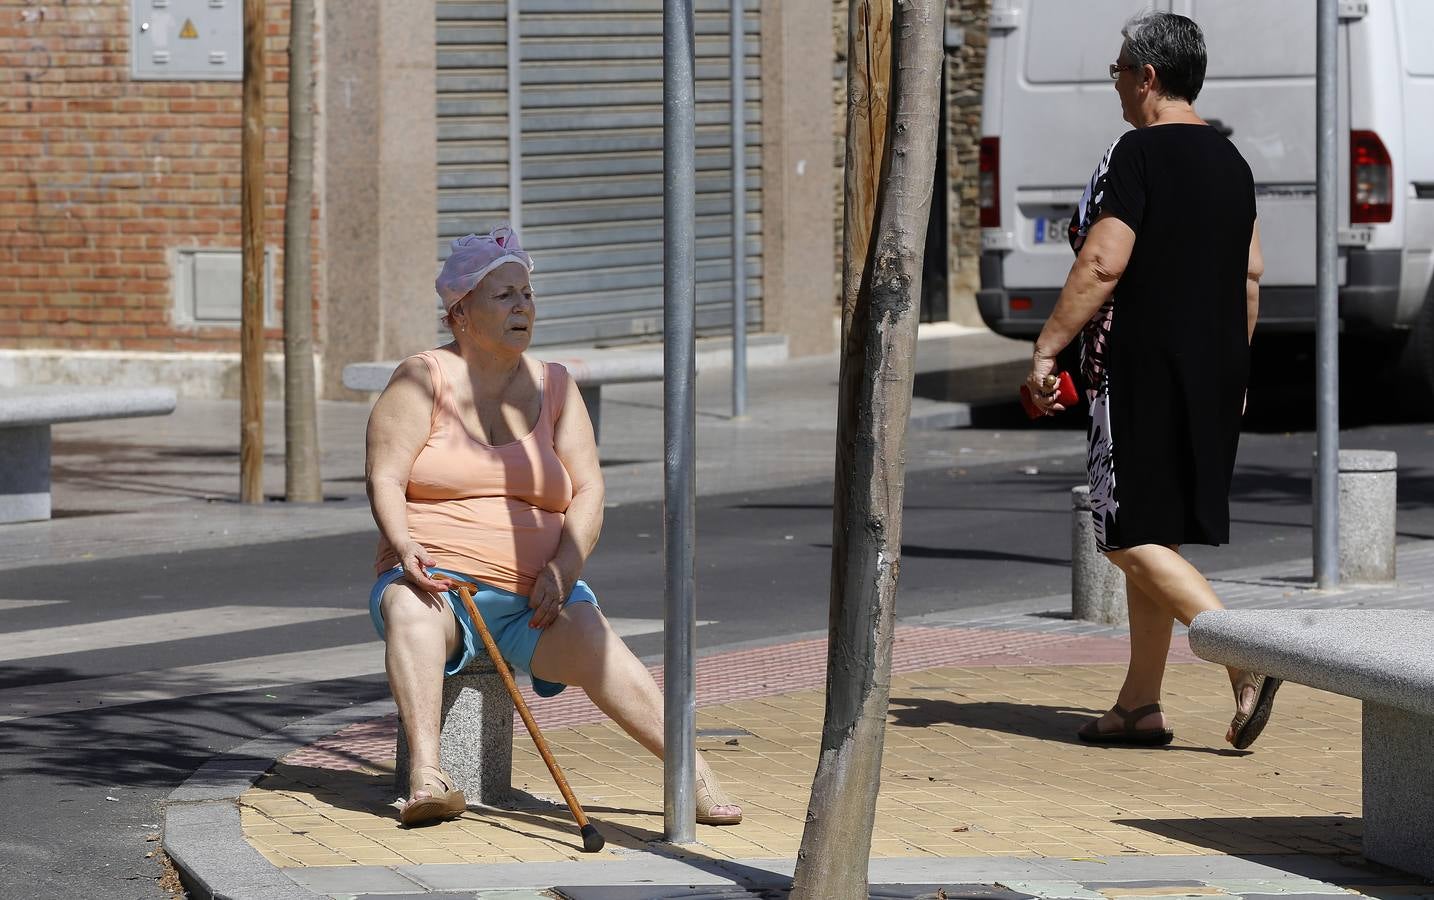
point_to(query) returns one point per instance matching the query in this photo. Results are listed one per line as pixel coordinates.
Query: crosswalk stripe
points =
(249, 674)
(21, 604)
(174, 626)
(253, 673)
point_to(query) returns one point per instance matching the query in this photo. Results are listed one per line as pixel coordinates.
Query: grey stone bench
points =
(1384, 658)
(26, 414)
(593, 367)
(475, 741)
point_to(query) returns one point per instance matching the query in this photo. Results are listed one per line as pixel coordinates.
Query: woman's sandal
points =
(1246, 726)
(444, 801)
(1127, 734)
(710, 797)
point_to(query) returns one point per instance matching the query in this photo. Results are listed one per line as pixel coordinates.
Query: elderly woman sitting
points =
(482, 467)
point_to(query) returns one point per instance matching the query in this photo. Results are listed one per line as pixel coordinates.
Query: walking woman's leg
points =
(581, 649)
(420, 635)
(1172, 582)
(1150, 627)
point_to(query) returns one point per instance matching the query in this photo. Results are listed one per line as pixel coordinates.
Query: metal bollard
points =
(1097, 585)
(1367, 484)
(475, 744)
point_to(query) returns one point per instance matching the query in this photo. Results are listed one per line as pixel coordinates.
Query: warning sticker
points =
(189, 31)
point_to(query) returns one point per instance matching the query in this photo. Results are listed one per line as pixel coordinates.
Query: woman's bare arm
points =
(1092, 279)
(398, 428)
(1253, 272)
(577, 450)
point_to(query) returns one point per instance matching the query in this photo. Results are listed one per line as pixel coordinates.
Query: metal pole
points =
(515, 120)
(679, 200)
(739, 214)
(1326, 549)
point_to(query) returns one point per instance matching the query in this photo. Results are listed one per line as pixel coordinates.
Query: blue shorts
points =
(505, 613)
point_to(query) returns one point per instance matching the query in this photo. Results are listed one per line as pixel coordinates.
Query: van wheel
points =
(1416, 364)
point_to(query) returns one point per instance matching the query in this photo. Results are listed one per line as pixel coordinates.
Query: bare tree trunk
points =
(251, 331)
(302, 483)
(874, 404)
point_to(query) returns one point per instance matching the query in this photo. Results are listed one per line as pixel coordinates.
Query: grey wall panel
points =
(592, 156)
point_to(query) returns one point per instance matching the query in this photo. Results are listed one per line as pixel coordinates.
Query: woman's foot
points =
(1143, 726)
(714, 807)
(1254, 699)
(434, 798)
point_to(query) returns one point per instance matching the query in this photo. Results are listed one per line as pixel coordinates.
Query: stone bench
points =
(475, 741)
(593, 367)
(1384, 658)
(26, 414)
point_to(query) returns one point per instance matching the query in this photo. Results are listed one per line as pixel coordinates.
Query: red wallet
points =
(1065, 395)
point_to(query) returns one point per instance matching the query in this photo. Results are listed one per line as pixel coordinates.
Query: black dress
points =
(1166, 359)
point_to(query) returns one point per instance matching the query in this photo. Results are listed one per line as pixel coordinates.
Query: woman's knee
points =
(587, 627)
(403, 607)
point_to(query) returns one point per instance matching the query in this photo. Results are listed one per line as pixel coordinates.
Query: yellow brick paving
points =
(978, 762)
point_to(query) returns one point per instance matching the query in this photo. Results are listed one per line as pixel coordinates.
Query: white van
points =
(1050, 111)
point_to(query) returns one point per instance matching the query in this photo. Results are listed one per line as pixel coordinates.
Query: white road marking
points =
(252, 673)
(21, 604)
(137, 630)
(632, 627)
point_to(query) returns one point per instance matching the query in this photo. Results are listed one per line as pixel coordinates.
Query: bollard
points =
(1367, 482)
(475, 743)
(1097, 585)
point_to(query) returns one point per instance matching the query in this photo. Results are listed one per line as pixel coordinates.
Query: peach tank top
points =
(495, 513)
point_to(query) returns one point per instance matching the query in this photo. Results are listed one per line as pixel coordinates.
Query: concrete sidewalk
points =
(983, 781)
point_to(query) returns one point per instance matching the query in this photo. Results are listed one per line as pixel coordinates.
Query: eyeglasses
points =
(1117, 68)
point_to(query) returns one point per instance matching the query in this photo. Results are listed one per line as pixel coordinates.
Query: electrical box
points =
(187, 40)
(209, 288)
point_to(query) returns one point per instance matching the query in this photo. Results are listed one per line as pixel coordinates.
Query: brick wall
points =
(965, 70)
(102, 178)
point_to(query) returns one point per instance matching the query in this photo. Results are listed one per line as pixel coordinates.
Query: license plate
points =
(1051, 231)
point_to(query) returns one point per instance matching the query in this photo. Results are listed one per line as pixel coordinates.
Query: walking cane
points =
(592, 841)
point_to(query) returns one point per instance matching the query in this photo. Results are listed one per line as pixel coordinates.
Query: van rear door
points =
(1260, 86)
(1058, 111)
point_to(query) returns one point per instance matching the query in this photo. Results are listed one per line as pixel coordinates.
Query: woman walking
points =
(1164, 294)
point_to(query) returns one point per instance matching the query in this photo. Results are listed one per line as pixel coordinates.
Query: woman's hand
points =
(550, 592)
(416, 563)
(1044, 385)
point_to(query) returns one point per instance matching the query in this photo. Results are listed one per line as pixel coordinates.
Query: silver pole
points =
(1326, 549)
(515, 120)
(739, 214)
(679, 200)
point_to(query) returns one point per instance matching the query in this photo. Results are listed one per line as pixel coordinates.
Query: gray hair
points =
(1173, 46)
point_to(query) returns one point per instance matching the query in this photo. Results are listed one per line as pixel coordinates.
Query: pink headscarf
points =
(474, 256)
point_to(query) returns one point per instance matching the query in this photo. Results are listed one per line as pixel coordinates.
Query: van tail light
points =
(1371, 180)
(990, 182)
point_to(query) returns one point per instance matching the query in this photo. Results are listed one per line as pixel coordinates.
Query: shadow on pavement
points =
(1265, 836)
(1046, 723)
(159, 743)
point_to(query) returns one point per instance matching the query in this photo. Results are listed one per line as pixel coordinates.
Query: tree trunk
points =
(302, 483)
(251, 331)
(878, 352)
(868, 88)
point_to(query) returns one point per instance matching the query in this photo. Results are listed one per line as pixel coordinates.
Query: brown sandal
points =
(1246, 726)
(709, 797)
(1127, 734)
(444, 802)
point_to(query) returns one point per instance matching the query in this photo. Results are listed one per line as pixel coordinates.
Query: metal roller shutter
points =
(591, 163)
